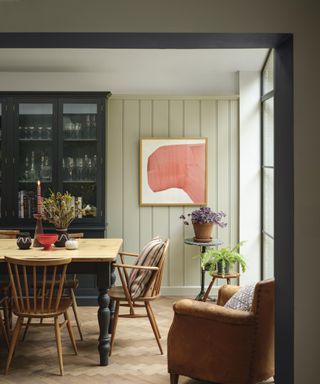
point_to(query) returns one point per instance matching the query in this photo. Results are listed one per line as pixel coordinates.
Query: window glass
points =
(268, 204)
(268, 75)
(268, 257)
(268, 141)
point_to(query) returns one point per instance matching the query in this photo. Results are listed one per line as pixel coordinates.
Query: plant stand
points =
(215, 276)
(204, 246)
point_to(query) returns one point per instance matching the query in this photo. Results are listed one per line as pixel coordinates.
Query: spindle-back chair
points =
(122, 297)
(5, 297)
(26, 275)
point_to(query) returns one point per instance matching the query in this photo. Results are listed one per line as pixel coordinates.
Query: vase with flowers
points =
(203, 220)
(60, 209)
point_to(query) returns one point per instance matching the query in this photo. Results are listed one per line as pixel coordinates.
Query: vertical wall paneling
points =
(131, 209)
(132, 117)
(209, 130)
(161, 214)
(223, 187)
(114, 175)
(191, 129)
(176, 255)
(145, 131)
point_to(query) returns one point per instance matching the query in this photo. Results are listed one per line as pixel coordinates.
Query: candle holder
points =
(38, 229)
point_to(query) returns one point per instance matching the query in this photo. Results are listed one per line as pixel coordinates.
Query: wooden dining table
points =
(93, 256)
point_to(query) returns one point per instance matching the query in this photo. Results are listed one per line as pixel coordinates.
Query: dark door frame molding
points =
(284, 215)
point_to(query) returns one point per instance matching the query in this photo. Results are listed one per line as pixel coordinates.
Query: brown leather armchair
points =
(209, 342)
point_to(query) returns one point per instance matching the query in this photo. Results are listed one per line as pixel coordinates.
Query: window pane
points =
(268, 118)
(268, 257)
(268, 200)
(267, 76)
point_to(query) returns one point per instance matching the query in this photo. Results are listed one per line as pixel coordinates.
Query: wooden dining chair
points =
(25, 275)
(70, 285)
(2, 324)
(5, 296)
(141, 287)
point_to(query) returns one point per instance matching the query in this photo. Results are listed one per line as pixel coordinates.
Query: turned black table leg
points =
(103, 283)
(112, 303)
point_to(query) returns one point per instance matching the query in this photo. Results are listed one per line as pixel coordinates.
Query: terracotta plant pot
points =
(203, 232)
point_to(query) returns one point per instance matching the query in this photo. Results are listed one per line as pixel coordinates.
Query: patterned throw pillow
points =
(242, 299)
(149, 256)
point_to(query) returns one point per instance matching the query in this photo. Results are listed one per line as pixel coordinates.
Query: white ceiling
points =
(131, 71)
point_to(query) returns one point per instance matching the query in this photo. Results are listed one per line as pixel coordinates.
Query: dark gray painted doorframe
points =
(284, 169)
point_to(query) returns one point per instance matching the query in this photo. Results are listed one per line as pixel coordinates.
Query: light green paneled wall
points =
(130, 118)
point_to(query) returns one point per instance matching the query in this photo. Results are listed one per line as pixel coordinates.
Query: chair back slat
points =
(34, 270)
(44, 288)
(13, 288)
(17, 276)
(53, 282)
(26, 286)
(29, 279)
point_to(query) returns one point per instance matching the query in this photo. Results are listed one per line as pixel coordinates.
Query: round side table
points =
(216, 276)
(204, 246)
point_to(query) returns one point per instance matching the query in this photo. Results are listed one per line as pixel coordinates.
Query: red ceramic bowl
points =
(47, 239)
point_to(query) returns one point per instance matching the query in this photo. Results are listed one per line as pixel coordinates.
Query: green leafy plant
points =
(60, 209)
(225, 255)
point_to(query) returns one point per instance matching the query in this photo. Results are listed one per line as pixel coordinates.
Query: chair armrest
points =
(225, 292)
(136, 267)
(214, 312)
(129, 254)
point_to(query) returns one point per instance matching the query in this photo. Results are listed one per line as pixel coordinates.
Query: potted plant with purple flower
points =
(203, 220)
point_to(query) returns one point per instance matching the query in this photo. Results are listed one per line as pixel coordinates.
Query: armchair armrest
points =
(214, 312)
(226, 292)
(136, 267)
(128, 254)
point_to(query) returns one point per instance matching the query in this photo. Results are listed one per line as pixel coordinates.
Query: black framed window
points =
(267, 167)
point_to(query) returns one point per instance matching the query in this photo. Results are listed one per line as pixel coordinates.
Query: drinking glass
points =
(70, 168)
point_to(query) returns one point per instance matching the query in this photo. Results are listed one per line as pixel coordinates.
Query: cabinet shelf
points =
(81, 140)
(45, 140)
(34, 181)
(79, 181)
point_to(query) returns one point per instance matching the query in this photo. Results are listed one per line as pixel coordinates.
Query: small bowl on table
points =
(47, 239)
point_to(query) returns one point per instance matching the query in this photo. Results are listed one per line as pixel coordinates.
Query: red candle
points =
(39, 197)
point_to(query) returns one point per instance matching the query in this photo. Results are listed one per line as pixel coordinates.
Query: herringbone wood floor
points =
(135, 358)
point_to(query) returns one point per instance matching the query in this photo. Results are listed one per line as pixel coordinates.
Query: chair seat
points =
(65, 303)
(117, 293)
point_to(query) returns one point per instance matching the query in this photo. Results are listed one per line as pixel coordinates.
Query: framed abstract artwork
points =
(173, 171)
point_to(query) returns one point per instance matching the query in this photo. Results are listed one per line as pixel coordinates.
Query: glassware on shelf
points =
(70, 168)
(93, 127)
(86, 133)
(40, 132)
(45, 168)
(48, 133)
(79, 168)
(77, 130)
(32, 172)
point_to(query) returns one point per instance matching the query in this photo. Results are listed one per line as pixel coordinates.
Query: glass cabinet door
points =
(80, 154)
(35, 153)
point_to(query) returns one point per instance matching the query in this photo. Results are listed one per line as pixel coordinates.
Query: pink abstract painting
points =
(175, 172)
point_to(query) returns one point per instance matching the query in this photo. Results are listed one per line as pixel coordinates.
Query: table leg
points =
(103, 283)
(112, 303)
